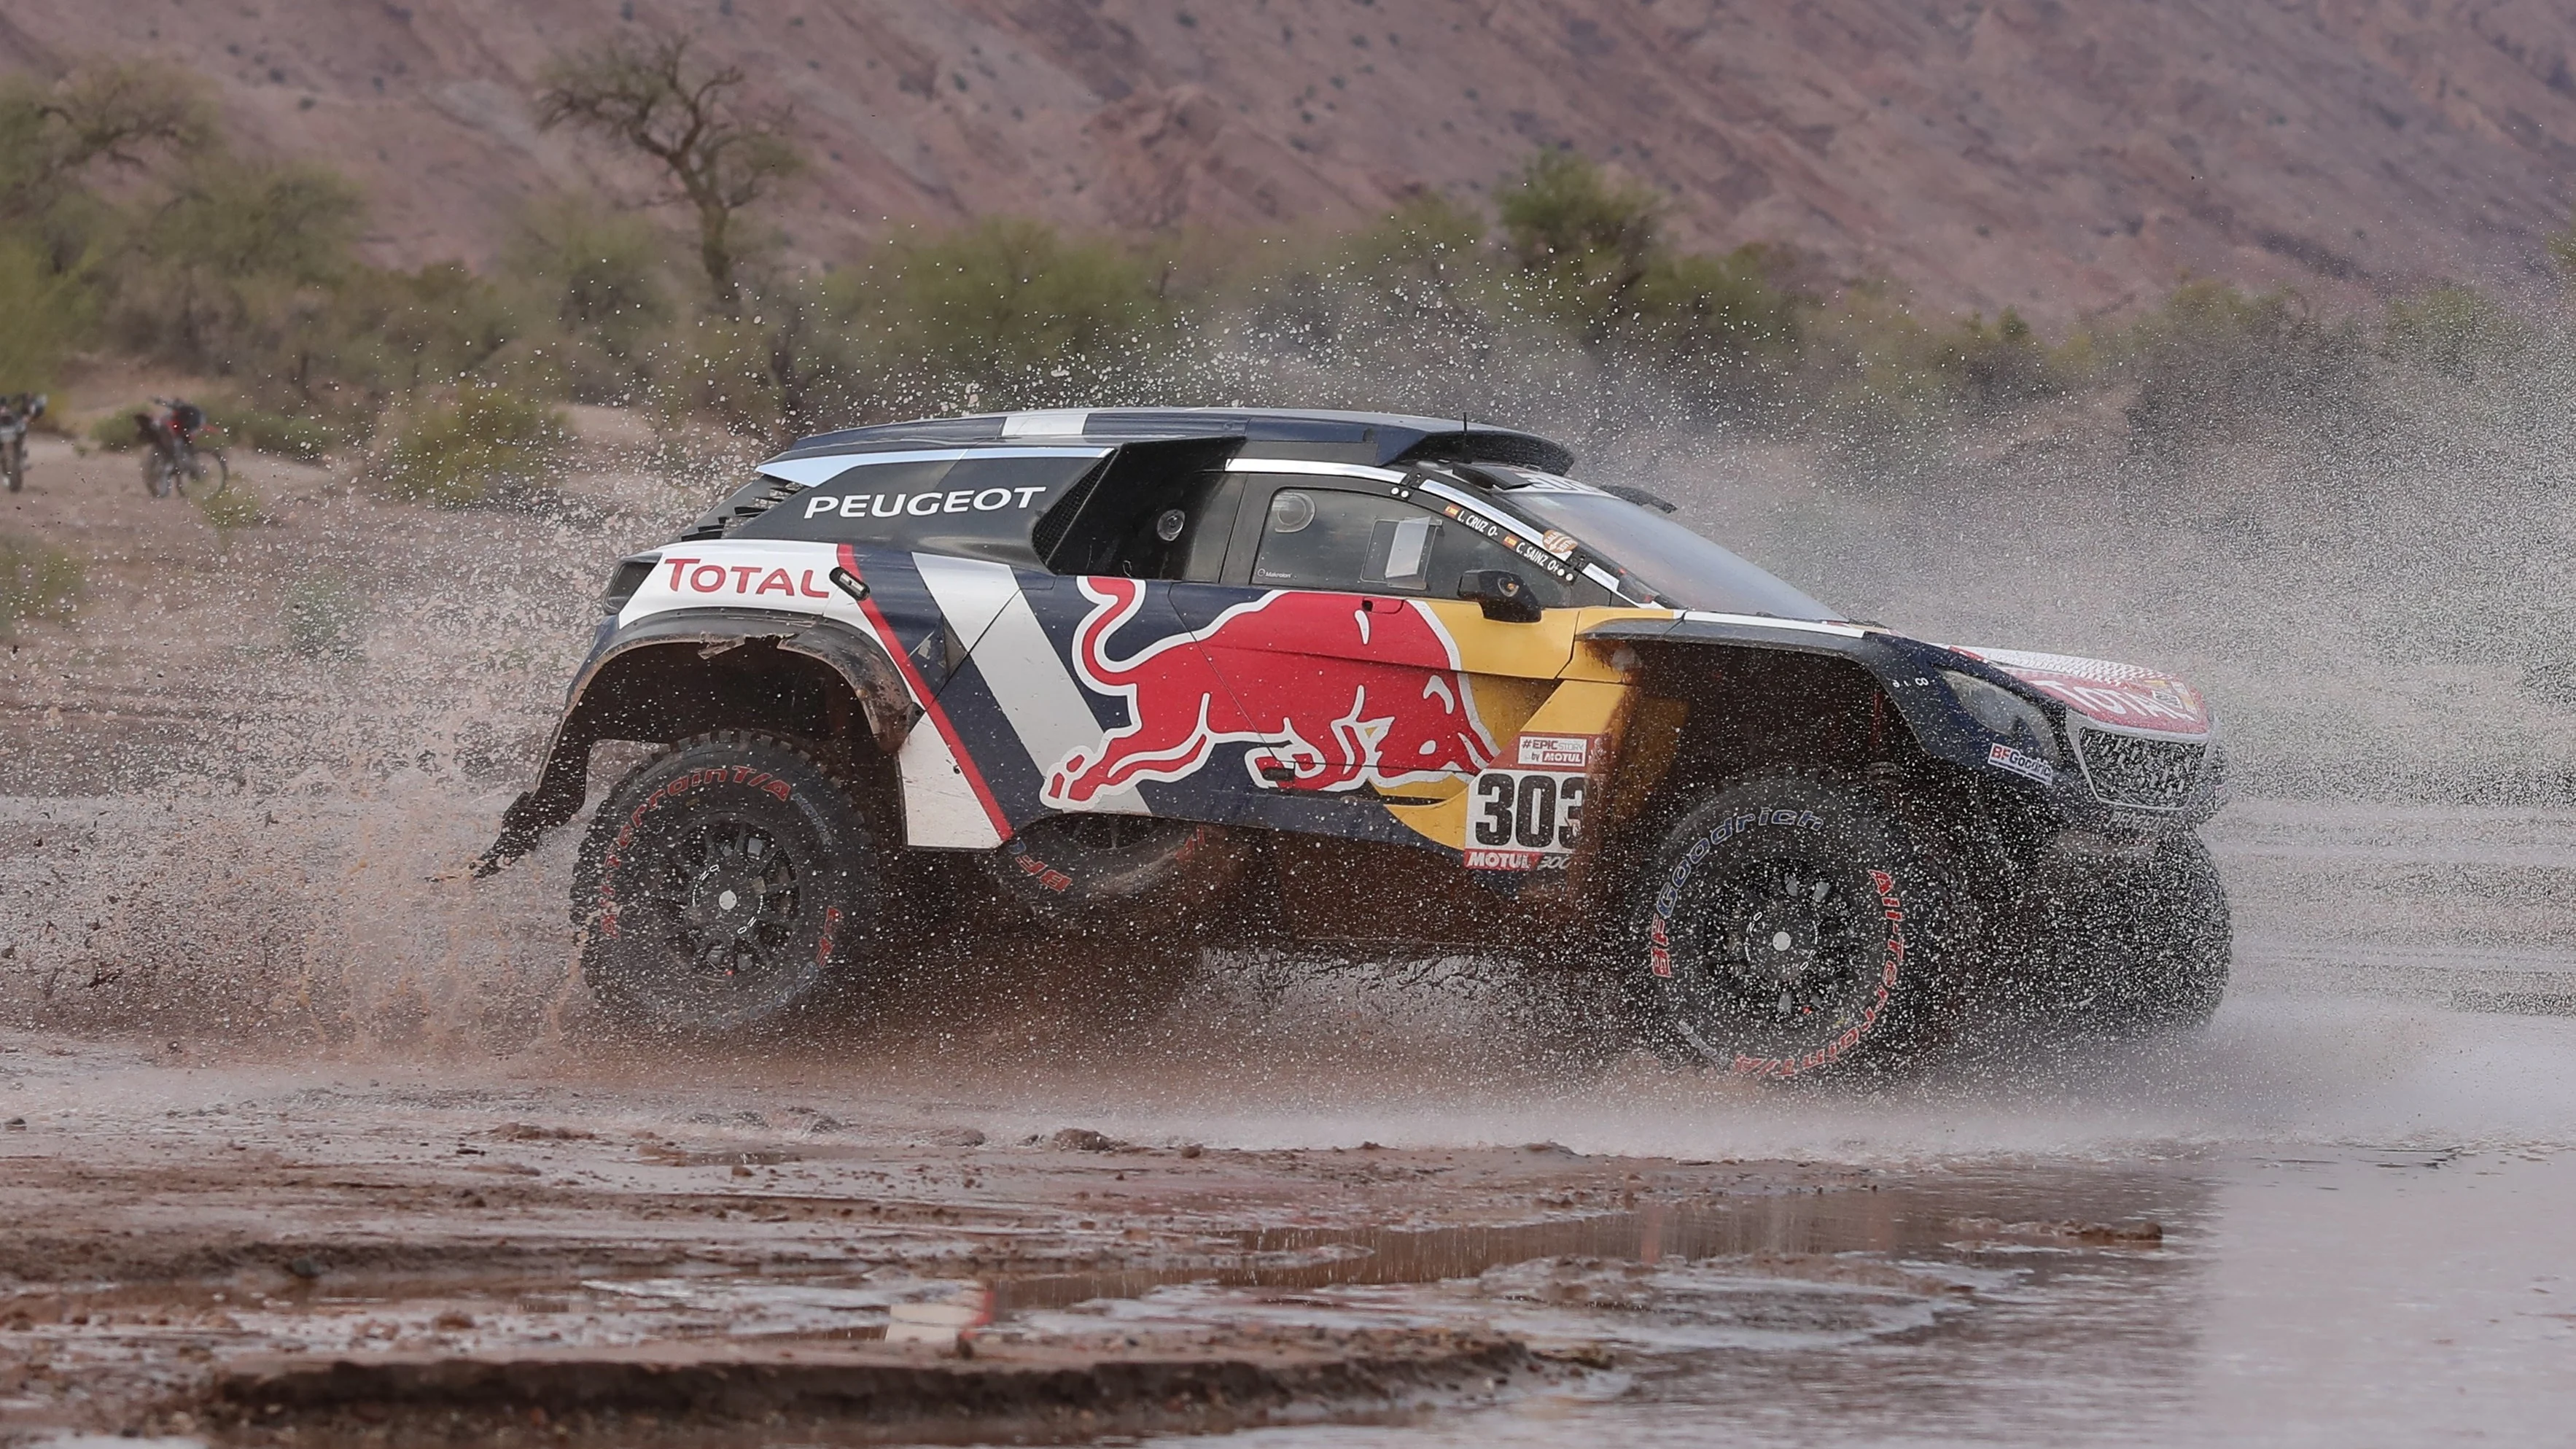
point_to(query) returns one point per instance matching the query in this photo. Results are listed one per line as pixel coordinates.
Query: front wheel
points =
(13, 461)
(1789, 929)
(724, 883)
(2143, 948)
(160, 475)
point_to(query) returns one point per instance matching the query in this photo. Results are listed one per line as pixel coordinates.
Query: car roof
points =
(1313, 433)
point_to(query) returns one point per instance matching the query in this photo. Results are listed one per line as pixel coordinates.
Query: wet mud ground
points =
(284, 1252)
(300, 1141)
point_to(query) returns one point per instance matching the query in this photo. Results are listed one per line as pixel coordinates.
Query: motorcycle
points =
(17, 411)
(172, 458)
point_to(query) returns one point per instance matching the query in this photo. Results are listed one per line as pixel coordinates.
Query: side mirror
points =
(1501, 593)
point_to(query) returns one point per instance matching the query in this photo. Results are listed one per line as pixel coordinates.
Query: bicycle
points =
(172, 458)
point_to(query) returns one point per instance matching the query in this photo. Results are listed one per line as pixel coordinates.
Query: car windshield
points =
(1683, 569)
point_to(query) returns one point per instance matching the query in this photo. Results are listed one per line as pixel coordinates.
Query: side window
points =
(1316, 538)
(1320, 538)
(1460, 549)
(1162, 509)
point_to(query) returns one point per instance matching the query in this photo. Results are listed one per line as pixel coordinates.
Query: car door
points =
(1364, 698)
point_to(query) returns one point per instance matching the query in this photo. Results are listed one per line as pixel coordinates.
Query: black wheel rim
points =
(726, 900)
(1773, 956)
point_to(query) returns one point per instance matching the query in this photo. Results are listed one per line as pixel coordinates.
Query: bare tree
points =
(103, 113)
(718, 154)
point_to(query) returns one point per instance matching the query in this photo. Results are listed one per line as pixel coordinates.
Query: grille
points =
(2146, 774)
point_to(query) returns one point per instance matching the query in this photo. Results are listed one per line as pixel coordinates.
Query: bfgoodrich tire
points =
(2146, 949)
(722, 884)
(1789, 929)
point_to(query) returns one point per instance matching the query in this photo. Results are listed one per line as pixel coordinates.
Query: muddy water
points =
(2331, 1297)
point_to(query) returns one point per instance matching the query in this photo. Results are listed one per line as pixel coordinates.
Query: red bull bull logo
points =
(1336, 691)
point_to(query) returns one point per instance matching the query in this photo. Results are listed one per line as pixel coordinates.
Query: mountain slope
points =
(2069, 156)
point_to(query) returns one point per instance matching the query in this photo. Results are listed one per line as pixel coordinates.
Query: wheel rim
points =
(727, 901)
(1774, 956)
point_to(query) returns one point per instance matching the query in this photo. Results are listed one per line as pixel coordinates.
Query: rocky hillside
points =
(2066, 155)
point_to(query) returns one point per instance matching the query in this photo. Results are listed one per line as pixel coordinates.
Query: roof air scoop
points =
(1051, 423)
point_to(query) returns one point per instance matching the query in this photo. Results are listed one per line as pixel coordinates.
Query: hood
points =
(2126, 695)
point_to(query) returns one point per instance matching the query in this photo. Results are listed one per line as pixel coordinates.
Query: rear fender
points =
(676, 674)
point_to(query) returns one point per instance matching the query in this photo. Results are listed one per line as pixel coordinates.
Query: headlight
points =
(2013, 719)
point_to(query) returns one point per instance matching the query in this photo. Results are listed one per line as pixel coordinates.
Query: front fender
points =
(1907, 670)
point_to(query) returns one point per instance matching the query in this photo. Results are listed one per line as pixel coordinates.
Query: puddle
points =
(1775, 1272)
(1888, 1223)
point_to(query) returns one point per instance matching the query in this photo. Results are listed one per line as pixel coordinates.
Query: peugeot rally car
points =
(1183, 674)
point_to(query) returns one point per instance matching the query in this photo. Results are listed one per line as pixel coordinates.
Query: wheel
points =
(724, 883)
(1788, 928)
(13, 461)
(159, 477)
(2145, 949)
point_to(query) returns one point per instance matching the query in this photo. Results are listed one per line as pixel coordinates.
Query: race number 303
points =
(1527, 810)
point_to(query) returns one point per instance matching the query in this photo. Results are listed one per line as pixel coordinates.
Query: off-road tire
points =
(13, 461)
(2144, 950)
(724, 883)
(160, 475)
(1789, 927)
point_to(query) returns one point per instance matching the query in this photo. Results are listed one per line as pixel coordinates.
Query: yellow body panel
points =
(1531, 677)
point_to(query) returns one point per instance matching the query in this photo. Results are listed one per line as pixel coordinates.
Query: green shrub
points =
(115, 431)
(2212, 362)
(2453, 330)
(485, 443)
(1584, 241)
(232, 510)
(37, 581)
(1009, 310)
(41, 312)
(285, 434)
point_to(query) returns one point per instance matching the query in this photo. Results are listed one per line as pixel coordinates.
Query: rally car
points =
(1355, 678)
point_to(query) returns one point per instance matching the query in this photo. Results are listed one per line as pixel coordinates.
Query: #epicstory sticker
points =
(1553, 752)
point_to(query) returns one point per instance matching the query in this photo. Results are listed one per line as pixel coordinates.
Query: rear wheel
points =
(1789, 929)
(196, 473)
(724, 883)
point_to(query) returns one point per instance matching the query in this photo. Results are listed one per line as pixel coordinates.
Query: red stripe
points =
(929, 701)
